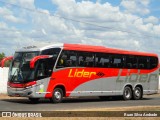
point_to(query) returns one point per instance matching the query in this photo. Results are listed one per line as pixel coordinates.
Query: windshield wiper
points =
(19, 75)
(13, 76)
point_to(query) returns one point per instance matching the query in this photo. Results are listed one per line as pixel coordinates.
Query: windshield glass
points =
(20, 71)
(20, 67)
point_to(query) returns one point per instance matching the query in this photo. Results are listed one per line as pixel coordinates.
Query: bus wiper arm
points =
(14, 74)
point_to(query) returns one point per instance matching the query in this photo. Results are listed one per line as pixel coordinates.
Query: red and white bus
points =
(65, 70)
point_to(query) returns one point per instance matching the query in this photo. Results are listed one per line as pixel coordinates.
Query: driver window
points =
(44, 68)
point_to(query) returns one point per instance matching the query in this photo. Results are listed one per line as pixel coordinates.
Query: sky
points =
(125, 24)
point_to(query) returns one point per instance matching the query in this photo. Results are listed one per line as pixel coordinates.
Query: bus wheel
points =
(137, 93)
(34, 100)
(127, 93)
(57, 96)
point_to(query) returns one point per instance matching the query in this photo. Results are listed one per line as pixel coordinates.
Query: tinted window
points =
(67, 59)
(102, 60)
(116, 61)
(85, 59)
(143, 62)
(153, 62)
(51, 51)
(131, 62)
(44, 68)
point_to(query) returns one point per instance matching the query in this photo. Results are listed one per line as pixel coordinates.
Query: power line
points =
(74, 20)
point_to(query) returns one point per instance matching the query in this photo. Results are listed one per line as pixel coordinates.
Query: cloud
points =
(3, 25)
(13, 19)
(136, 6)
(85, 10)
(9, 16)
(151, 19)
(113, 26)
(23, 3)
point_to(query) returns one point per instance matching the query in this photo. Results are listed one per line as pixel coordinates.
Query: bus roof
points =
(40, 47)
(83, 47)
(91, 48)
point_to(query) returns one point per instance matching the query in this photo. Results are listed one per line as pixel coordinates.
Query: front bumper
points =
(21, 92)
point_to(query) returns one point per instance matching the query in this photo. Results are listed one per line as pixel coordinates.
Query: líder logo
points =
(81, 73)
(100, 74)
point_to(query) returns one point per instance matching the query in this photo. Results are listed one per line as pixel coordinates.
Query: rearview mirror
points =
(2, 63)
(35, 59)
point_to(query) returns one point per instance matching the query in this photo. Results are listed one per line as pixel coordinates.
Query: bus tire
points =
(57, 95)
(34, 100)
(137, 93)
(127, 93)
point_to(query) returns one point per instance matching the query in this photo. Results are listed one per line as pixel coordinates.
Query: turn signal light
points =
(30, 84)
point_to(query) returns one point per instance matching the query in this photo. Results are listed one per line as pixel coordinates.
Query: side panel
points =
(126, 77)
(153, 82)
(147, 78)
(71, 78)
(97, 87)
(101, 81)
(41, 88)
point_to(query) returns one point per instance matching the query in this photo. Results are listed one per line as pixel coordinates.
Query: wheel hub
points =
(137, 93)
(57, 95)
(127, 93)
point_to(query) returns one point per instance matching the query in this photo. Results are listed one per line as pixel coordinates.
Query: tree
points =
(2, 55)
(7, 63)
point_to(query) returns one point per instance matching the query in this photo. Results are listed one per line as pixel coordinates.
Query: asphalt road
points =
(75, 104)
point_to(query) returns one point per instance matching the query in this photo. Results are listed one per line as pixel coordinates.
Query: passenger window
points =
(116, 61)
(67, 59)
(143, 62)
(102, 60)
(131, 62)
(153, 62)
(85, 59)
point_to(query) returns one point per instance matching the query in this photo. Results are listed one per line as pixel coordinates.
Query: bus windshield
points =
(20, 71)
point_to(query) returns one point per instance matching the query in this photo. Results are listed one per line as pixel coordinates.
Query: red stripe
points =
(20, 85)
(89, 48)
(70, 83)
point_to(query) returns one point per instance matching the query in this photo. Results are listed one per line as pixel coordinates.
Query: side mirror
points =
(35, 59)
(4, 60)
